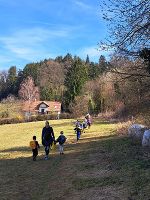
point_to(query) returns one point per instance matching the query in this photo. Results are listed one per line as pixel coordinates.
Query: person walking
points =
(47, 138)
(61, 139)
(89, 122)
(78, 132)
(34, 146)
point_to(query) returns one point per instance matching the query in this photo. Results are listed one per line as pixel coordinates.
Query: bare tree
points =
(128, 24)
(28, 91)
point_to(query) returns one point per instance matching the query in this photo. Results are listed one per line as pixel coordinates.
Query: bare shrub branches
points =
(128, 24)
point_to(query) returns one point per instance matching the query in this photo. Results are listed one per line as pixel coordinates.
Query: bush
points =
(11, 120)
(4, 114)
(65, 116)
(79, 107)
(33, 118)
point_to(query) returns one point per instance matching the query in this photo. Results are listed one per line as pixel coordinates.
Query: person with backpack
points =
(34, 146)
(78, 131)
(47, 138)
(61, 139)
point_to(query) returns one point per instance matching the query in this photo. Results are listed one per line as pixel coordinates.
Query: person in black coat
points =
(47, 138)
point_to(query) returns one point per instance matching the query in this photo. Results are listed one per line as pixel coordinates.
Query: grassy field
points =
(101, 166)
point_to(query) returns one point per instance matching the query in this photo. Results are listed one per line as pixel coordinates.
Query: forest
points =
(118, 87)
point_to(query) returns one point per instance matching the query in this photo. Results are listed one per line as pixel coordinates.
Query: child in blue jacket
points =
(61, 139)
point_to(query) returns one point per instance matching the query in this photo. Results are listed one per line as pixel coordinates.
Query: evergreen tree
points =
(75, 80)
(68, 57)
(47, 93)
(3, 85)
(93, 71)
(20, 77)
(59, 59)
(12, 74)
(11, 80)
(87, 62)
(67, 62)
(32, 70)
(102, 64)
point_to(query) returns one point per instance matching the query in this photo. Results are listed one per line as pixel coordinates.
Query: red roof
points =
(34, 106)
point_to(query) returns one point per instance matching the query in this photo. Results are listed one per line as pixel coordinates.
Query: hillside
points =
(102, 165)
(10, 109)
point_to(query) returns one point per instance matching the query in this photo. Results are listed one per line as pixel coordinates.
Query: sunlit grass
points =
(102, 163)
(15, 136)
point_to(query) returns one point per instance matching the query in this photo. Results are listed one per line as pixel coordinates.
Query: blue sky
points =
(32, 30)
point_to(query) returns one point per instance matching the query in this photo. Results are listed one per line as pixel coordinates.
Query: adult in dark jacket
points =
(47, 138)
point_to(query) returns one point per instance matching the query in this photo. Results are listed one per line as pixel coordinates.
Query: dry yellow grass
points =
(102, 165)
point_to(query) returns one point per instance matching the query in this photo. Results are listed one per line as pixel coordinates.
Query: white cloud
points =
(30, 44)
(83, 5)
(93, 52)
(88, 8)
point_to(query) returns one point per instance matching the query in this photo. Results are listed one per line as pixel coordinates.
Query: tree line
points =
(80, 85)
(60, 79)
(120, 85)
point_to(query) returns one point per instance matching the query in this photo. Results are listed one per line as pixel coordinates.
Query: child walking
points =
(61, 139)
(78, 132)
(35, 146)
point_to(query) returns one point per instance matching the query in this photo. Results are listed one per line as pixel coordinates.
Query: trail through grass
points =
(102, 165)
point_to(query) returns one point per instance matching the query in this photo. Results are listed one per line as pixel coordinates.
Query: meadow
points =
(102, 165)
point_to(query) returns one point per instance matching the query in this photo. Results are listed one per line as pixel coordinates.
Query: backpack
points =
(33, 144)
(62, 139)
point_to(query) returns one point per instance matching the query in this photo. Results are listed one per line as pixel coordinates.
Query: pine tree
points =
(102, 64)
(87, 62)
(75, 80)
(93, 71)
(32, 70)
(11, 80)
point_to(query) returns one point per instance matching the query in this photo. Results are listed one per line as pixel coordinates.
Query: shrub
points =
(65, 116)
(11, 121)
(79, 107)
(21, 119)
(4, 114)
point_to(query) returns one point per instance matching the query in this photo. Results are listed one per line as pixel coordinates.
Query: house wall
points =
(43, 106)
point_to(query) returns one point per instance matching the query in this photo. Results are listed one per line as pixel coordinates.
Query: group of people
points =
(80, 127)
(48, 138)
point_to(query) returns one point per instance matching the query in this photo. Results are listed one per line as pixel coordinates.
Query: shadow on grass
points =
(28, 149)
(21, 149)
(109, 161)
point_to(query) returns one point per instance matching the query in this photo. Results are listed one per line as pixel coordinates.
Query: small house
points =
(41, 107)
